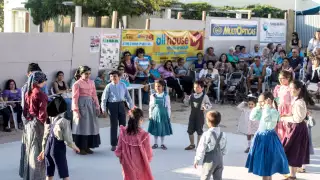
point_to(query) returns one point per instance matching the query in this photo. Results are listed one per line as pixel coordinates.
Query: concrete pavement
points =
(173, 164)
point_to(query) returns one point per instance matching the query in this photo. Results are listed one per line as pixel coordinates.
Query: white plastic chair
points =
(217, 88)
(265, 84)
(52, 91)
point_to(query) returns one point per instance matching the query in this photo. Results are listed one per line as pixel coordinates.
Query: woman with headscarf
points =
(85, 106)
(35, 112)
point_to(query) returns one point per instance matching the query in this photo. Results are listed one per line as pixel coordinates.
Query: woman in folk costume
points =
(35, 112)
(85, 106)
(296, 139)
(283, 98)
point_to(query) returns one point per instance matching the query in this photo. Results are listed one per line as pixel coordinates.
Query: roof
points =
(312, 11)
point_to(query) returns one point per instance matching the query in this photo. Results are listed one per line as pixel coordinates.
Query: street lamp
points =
(78, 15)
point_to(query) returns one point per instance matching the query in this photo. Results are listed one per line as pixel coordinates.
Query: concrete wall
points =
(223, 46)
(81, 50)
(139, 22)
(176, 24)
(53, 52)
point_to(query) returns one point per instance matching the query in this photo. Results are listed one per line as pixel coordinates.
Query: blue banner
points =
(233, 30)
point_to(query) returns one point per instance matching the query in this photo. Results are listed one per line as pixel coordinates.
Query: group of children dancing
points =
(271, 122)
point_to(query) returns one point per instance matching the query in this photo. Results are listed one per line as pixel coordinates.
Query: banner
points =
(233, 30)
(110, 46)
(273, 31)
(163, 45)
(94, 44)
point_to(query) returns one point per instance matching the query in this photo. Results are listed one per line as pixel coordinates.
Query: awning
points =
(312, 11)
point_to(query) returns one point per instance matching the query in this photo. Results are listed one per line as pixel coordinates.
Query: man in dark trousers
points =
(114, 97)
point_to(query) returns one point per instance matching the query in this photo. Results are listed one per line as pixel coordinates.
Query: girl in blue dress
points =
(159, 114)
(266, 156)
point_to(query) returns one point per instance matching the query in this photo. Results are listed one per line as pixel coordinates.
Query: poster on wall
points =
(110, 46)
(95, 44)
(163, 45)
(273, 31)
(233, 30)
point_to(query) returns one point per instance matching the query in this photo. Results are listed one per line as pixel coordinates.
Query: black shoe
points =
(113, 148)
(7, 129)
(89, 151)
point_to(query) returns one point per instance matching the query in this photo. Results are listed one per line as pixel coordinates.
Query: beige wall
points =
(53, 52)
(176, 24)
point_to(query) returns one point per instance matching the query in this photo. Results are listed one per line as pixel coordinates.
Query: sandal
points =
(291, 178)
(155, 146)
(301, 170)
(163, 147)
(247, 150)
(190, 147)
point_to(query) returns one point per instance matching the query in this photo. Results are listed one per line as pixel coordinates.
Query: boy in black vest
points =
(199, 102)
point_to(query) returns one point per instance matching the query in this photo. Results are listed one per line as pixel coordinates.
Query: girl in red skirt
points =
(296, 139)
(283, 98)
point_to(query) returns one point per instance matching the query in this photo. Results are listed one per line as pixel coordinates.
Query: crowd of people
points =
(273, 122)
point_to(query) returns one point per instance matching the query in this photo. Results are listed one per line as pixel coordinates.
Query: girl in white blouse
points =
(296, 139)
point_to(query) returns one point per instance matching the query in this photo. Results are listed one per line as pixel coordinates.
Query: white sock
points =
(249, 143)
(162, 140)
(156, 140)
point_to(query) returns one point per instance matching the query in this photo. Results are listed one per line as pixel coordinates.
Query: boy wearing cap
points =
(114, 97)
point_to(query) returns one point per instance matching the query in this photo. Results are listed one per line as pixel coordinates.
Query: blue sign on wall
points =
(233, 30)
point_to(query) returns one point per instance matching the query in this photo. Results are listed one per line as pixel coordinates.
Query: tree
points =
(1, 15)
(43, 10)
(197, 9)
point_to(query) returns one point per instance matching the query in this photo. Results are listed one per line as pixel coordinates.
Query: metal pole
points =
(295, 15)
(78, 16)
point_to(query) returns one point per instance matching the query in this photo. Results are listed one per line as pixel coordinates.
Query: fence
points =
(306, 26)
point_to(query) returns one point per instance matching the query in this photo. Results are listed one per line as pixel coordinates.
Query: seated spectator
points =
(237, 50)
(295, 41)
(124, 77)
(286, 66)
(313, 76)
(278, 62)
(142, 65)
(60, 87)
(209, 74)
(301, 54)
(167, 73)
(198, 64)
(101, 80)
(233, 59)
(265, 53)
(224, 68)
(12, 93)
(210, 56)
(245, 55)
(129, 67)
(296, 62)
(314, 43)
(257, 74)
(181, 72)
(268, 61)
(75, 78)
(276, 55)
(5, 112)
(256, 51)
(154, 73)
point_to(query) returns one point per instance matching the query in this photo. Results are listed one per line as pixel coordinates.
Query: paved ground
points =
(173, 164)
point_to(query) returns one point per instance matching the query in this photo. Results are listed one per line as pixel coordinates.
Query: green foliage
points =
(43, 10)
(263, 11)
(1, 15)
(197, 9)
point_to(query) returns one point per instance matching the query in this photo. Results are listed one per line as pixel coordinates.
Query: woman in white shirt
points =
(314, 43)
(296, 139)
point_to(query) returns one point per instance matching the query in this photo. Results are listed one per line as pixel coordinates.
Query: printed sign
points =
(273, 31)
(233, 30)
(94, 44)
(163, 45)
(110, 46)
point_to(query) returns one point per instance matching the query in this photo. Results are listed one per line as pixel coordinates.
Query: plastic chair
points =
(14, 117)
(52, 91)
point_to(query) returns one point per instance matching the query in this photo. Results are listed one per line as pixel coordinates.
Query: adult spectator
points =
(257, 74)
(35, 112)
(237, 50)
(314, 43)
(256, 51)
(101, 80)
(154, 73)
(276, 55)
(245, 55)
(129, 67)
(296, 62)
(313, 75)
(61, 87)
(210, 55)
(124, 77)
(181, 72)
(295, 41)
(12, 93)
(5, 112)
(268, 61)
(75, 78)
(301, 54)
(224, 68)
(233, 59)
(167, 73)
(198, 64)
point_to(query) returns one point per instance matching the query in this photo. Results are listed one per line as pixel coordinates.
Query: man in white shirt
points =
(256, 51)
